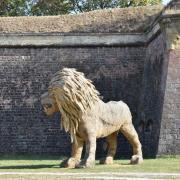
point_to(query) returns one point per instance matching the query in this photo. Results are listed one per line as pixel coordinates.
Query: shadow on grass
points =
(31, 157)
(114, 164)
(54, 162)
(42, 166)
(126, 164)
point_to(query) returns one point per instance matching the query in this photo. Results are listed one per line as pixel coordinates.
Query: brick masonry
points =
(152, 95)
(169, 141)
(25, 73)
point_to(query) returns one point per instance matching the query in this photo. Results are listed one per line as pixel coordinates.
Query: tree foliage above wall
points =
(89, 5)
(51, 7)
(56, 7)
(13, 8)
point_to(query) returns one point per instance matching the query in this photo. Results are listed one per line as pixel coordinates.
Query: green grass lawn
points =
(51, 164)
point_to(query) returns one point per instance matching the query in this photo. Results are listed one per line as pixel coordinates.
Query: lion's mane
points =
(74, 95)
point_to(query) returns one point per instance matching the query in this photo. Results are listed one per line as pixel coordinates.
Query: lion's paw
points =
(69, 163)
(88, 164)
(63, 163)
(107, 160)
(136, 159)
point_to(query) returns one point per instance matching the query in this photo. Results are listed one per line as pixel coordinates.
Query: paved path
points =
(104, 175)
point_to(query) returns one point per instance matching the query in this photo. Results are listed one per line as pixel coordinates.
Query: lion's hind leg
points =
(130, 133)
(112, 145)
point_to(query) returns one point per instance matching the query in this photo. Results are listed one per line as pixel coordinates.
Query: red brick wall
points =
(169, 142)
(25, 73)
(150, 108)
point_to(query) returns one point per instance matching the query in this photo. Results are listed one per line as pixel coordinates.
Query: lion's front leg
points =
(74, 160)
(89, 159)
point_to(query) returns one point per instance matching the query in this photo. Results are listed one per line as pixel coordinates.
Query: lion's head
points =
(72, 94)
(49, 104)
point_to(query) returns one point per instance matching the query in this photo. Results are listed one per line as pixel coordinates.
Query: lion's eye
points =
(48, 105)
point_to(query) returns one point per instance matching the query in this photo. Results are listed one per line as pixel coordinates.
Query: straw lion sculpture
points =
(86, 117)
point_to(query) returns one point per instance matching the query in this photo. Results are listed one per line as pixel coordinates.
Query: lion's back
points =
(116, 112)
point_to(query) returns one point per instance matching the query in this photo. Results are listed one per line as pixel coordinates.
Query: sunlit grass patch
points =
(51, 164)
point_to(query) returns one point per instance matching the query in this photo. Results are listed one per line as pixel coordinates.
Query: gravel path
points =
(104, 175)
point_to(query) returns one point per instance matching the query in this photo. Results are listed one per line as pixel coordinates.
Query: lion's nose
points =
(44, 113)
(43, 110)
